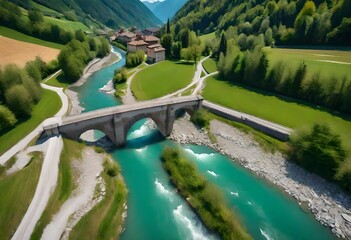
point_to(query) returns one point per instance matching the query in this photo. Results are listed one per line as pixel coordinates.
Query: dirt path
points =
(46, 185)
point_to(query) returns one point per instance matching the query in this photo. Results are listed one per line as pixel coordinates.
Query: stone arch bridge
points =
(116, 121)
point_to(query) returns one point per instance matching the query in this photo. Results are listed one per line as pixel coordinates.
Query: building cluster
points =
(144, 40)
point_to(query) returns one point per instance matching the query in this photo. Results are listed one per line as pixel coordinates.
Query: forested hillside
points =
(113, 13)
(288, 21)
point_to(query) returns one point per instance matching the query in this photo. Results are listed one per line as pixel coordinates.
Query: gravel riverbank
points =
(330, 205)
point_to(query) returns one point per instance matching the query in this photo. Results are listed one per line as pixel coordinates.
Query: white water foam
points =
(142, 131)
(212, 173)
(162, 190)
(201, 156)
(248, 202)
(140, 150)
(265, 235)
(195, 231)
(235, 194)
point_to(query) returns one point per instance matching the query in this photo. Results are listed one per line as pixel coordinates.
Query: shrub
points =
(200, 118)
(135, 59)
(7, 118)
(19, 101)
(319, 151)
(120, 75)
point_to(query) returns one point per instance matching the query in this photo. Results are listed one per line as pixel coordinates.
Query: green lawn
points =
(316, 60)
(17, 191)
(161, 79)
(49, 104)
(10, 33)
(58, 81)
(275, 109)
(207, 37)
(66, 24)
(210, 65)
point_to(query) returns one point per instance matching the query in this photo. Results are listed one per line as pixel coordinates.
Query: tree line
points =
(247, 64)
(184, 44)
(20, 90)
(286, 21)
(11, 16)
(78, 52)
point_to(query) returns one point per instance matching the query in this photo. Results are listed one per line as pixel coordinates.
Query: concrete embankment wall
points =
(269, 128)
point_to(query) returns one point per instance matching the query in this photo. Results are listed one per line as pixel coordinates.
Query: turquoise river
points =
(156, 211)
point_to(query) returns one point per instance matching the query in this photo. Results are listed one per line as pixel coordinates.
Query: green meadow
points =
(161, 79)
(210, 65)
(277, 109)
(9, 33)
(330, 63)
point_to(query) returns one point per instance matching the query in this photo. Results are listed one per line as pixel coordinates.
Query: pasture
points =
(161, 79)
(273, 108)
(17, 52)
(210, 65)
(13, 34)
(330, 63)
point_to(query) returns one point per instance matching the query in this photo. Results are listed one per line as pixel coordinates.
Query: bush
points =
(135, 59)
(120, 75)
(7, 118)
(200, 118)
(19, 101)
(319, 151)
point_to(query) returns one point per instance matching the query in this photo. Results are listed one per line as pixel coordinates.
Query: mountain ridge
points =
(112, 13)
(166, 9)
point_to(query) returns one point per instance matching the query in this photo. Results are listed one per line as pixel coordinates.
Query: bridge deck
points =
(128, 108)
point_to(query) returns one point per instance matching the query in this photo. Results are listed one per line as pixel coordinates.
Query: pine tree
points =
(168, 27)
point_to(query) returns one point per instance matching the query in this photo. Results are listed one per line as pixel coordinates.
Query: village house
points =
(151, 40)
(155, 53)
(126, 37)
(134, 46)
(151, 31)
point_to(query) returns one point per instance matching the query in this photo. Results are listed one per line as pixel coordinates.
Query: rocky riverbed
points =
(330, 205)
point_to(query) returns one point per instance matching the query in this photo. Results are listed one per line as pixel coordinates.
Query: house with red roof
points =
(136, 45)
(155, 53)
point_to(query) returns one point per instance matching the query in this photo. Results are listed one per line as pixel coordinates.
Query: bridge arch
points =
(156, 119)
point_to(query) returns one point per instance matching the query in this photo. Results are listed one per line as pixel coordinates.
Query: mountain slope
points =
(290, 22)
(166, 9)
(113, 13)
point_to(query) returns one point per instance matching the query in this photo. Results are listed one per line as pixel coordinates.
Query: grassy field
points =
(49, 104)
(45, 10)
(275, 109)
(58, 81)
(161, 79)
(210, 65)
(105, 219)
(66, 24)
(335, 63)
(206, 37)
(7, 32)
(17, 191)
(71, 150)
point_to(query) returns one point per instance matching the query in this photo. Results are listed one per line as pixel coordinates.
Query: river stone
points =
(346, 217)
